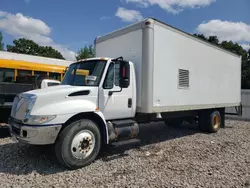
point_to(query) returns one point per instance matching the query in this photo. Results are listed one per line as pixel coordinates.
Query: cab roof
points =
(94, 58)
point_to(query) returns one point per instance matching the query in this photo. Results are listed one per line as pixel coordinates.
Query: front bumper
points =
(33, 134)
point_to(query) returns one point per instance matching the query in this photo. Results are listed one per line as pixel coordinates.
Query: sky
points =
(70, 25)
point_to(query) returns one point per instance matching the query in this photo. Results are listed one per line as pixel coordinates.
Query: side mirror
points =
(124, 74)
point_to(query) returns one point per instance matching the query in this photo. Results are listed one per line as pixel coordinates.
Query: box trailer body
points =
(143, 73)
(174, 70)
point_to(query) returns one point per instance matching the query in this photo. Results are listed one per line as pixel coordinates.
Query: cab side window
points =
(109, 80)
(117, 74)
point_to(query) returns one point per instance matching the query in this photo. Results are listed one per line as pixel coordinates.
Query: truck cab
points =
(76, 115)
(109, 85)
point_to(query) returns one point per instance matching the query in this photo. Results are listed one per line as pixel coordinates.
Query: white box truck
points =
(148, 71)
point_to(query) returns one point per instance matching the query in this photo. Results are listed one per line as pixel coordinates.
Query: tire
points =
(78, 144)
(210, 121)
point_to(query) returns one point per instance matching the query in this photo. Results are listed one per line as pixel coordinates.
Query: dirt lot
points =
(165, 157)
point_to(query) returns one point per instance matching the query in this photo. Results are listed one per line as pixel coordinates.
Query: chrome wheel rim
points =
(83, 144)
(216, 121)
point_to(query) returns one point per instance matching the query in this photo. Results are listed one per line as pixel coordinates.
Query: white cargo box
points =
(175, 71)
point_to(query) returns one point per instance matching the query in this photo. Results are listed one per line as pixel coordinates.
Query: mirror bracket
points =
(111, 92)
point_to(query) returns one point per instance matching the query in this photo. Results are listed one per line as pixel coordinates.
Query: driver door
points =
(117, 105)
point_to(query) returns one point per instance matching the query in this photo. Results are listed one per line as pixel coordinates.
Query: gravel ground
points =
(165, 157)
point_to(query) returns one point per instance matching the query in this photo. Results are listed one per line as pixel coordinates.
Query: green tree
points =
(86, 52)
(48, 51)
(91, 51)
(235, 48)
(26, 46)
(213, 39)
(201, 36)
(1, 42)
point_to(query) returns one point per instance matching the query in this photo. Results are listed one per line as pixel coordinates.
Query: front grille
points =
(15, 125)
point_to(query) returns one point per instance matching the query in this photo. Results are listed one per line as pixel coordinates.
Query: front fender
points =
(100, 114)
(65, 110)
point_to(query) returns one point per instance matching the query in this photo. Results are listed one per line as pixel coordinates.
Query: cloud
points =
(105, 18)
(127, 15)
(226, 30)
(19, 25)
(246, 46)
(140, 3)
(173, 6)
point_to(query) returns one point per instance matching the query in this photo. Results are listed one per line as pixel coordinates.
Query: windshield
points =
(85, 73)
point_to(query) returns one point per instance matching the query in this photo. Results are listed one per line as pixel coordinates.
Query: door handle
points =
(129, 102)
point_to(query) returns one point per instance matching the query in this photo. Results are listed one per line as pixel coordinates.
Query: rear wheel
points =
(210, 121)
(78, 144)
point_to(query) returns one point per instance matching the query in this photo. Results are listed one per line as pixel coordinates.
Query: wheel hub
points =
(83, 144)
(216, 121)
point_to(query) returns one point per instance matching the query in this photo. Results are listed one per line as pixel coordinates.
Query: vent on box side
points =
(183, 78)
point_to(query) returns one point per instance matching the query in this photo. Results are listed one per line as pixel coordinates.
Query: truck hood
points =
(60, 90)
(49, 98)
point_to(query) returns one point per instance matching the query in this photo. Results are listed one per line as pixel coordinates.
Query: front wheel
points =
(78, 144)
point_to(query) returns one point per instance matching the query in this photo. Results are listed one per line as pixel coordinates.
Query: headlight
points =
(30, 105)
(36, 120)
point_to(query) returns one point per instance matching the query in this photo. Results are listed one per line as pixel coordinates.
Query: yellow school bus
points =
(13, 65)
